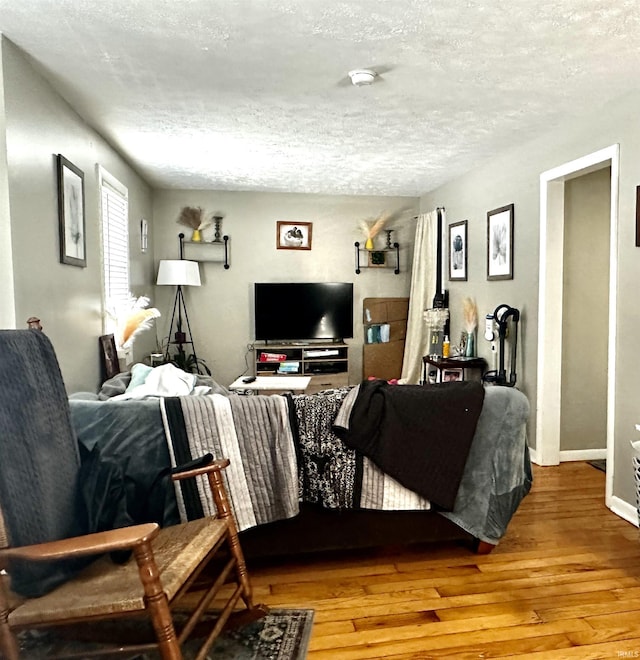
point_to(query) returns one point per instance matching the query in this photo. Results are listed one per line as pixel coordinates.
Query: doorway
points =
(552, 304)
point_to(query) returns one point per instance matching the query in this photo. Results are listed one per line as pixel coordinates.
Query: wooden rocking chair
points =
(37, 440)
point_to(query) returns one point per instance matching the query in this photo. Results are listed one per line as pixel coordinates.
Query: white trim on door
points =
(550, 304)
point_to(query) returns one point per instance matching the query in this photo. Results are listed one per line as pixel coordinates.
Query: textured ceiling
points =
(250, 94)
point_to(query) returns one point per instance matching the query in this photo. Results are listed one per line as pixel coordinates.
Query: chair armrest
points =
(90, 544)
(192, 465)
(216, 466)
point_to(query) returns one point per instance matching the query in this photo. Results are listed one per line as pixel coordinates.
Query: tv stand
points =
(327, 362)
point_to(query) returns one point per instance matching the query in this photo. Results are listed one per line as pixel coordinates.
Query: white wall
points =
(514, 177)
(40, 124)
(7, 300)
(220, 311)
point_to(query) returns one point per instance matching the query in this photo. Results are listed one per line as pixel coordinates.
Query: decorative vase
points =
(195, 237)
(470, 350)
(369, 244)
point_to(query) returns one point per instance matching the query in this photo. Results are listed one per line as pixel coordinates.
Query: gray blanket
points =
(39, 458)
(497, 475)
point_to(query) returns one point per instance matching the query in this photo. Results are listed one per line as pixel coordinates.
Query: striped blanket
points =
(254, 433)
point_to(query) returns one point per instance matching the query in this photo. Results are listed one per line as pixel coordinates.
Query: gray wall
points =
(585, 324)
(514, 176)
(220, 311)
(39, 125)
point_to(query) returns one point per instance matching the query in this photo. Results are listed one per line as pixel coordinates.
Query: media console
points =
(326, 363)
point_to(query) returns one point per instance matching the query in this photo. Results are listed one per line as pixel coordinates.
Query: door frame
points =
(550, 303)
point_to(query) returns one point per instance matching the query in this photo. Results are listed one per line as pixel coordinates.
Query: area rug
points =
(280, 635)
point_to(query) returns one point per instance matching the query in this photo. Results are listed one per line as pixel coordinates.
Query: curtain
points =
(423, 288)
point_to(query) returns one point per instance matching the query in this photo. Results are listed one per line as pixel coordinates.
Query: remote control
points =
(248, 379)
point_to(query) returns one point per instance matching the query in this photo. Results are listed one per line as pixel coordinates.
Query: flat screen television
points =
(295, 311)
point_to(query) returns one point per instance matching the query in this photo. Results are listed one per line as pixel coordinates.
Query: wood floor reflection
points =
(563, 583)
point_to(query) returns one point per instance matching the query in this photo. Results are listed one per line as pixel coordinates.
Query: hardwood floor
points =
(563, 583)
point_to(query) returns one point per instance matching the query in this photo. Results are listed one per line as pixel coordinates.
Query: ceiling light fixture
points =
(360, 77)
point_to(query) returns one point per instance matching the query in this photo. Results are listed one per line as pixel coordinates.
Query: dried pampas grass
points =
(372, 228)
(136, 322)
(131, 318)
(470, 314)
(194, 218)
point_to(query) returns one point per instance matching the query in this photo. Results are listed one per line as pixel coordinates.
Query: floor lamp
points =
(179, 273)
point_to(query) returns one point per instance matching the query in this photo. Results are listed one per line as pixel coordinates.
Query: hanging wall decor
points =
(458, 251)
(500, 243)
(293, 235)
(71, 213)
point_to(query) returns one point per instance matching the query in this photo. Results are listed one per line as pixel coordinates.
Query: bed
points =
(296, 484)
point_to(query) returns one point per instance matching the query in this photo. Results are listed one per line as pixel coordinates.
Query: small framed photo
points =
(144, 235)
(71, 213)
(108, 356)
(458, 251)
(293, 235)
(500, 243)
(377, 259)
(451, 375)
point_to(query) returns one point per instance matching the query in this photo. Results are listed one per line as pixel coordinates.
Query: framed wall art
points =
(293, 235)
(71, 213)
(377, 259)
(452, 375)
(458, 251)
(500, 243)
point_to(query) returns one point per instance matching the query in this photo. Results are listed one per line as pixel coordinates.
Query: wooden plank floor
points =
(563, 583)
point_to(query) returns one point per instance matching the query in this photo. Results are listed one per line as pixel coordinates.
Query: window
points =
(115, 244)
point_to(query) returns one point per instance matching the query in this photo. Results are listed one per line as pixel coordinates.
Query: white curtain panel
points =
(423, 289)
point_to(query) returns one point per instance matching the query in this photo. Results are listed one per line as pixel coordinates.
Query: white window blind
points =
(115, 243)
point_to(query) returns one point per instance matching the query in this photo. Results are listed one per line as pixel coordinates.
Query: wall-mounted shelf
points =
(386, 258)
(215, 251)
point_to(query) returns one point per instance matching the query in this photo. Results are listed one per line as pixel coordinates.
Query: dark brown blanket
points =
(420, 436)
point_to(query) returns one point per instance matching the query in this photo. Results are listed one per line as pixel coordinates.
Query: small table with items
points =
(441, 370)
(271, 385)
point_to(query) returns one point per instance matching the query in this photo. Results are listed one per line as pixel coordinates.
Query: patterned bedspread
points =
(330, 473)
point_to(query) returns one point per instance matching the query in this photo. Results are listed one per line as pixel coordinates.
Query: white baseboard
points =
(625, 510)
(583, 455)
(621, 508)
(573, 455)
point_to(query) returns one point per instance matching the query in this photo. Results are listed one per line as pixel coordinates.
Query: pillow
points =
(139, 373)
(116, 385)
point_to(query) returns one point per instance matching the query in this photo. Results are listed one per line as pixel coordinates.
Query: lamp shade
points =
(178, 272)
